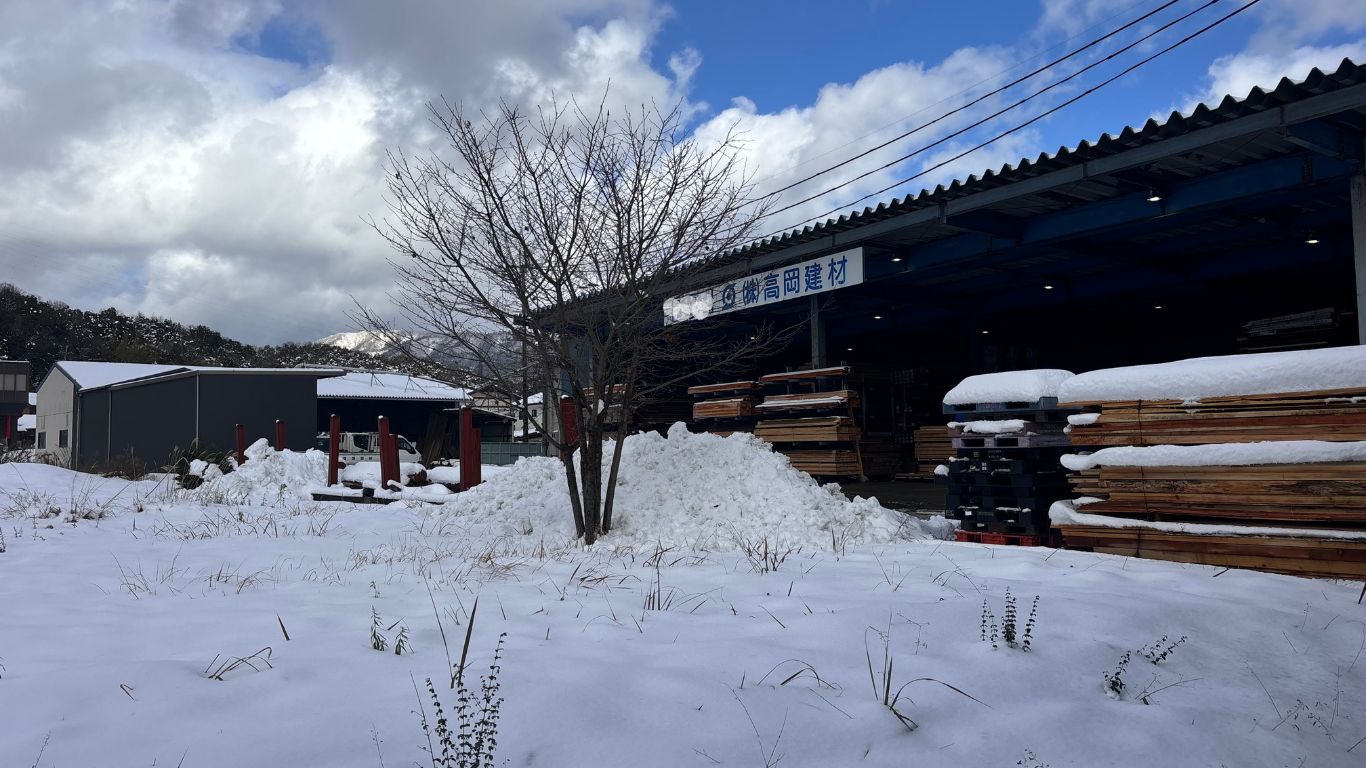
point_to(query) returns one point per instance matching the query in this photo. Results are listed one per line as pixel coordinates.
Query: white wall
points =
(55, 400)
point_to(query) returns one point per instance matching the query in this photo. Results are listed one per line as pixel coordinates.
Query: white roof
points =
(88, 375)
(389, 386)
(27, 422)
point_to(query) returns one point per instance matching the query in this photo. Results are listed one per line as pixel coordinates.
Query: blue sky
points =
(155, 147)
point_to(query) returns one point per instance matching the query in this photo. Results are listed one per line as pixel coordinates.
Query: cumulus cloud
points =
(166, 156)
(1288, 43)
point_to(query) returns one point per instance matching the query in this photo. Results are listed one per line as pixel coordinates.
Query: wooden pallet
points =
(1301, 556)
(932, 448)
(1011, 441)
(731, 386)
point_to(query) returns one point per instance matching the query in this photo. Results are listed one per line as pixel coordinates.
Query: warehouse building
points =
(1239, 227)
(92, 414)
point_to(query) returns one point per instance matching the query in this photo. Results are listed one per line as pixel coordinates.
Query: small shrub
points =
(472, 741)
(377, 639)
(257, 661)
(1114, 679)
(401, 643)
(1158, 651)
(763, 556)
(1009, 629)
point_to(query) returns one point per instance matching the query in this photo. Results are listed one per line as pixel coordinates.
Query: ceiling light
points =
(1048, 287)
(848, 349)
(1154, 196)
(984, 333)
(896, 258)
(877, 317)
(1157, 306)
(1311, 239)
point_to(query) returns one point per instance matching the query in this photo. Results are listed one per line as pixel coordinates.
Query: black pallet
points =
(1003, 479)
(1043, 404)
(993, 498)
(1007, 466)
(1050, 454)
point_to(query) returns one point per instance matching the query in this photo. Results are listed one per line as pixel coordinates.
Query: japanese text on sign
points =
(808, 278)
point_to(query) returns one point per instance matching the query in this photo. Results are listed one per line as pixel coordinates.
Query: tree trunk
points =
(573, 480)
(590, 473)
(612, 476)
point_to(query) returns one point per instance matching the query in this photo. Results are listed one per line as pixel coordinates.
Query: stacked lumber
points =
(1302, 556)
(1303, 494)
(813, 423)
(1323, 415)
(729, 407)
(1227, 465)
(932, 448)
(807, 401)
(724, 408)
(1303, 330)
(808, 430)
(830, 462)
(881, 456)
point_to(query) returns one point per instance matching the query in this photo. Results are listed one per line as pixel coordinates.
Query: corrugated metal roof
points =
(1202, 117)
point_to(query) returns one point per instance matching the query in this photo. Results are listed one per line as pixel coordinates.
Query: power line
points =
(1002, 111)
(1038, 54)
(981, 98)
(1027, 123)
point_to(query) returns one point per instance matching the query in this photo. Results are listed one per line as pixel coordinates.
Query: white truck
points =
(364, 446)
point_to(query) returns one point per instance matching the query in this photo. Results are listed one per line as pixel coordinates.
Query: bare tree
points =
(541, 247)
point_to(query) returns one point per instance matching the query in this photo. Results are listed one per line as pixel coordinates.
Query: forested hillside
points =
(44, 332)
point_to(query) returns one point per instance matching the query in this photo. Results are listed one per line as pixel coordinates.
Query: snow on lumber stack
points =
(1321, 371)
(1017, 387)
(690, 489)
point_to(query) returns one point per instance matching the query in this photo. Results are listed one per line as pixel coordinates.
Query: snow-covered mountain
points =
(439, 351)
(359, 341)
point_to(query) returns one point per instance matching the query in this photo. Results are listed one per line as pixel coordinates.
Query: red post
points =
(469, 450)
(279, 435)
(391, 452)
(9, 427)
(476, 466)
(568, 420)
(333, 449)
(384, 468)
(241, 444)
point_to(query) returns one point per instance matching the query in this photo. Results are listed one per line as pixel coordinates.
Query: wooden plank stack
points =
(812, 423)
(932, 448)
(1242, 505)
(729, 406)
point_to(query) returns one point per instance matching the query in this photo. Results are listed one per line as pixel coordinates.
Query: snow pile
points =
(1011, 386)
(1082, 419)
(696, 490)
(1219, 455)
(267, 476)
(367, 473)
(1001, 427)
(1228, 376)
(1066, 513)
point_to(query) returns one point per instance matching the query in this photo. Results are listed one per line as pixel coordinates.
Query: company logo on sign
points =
(828, 273)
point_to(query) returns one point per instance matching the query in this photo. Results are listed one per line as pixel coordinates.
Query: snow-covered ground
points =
(629, 654)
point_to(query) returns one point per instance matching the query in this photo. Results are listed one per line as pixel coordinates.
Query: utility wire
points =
(1002, 111)
(1038, 54)
(979, 99)
(1023, 125)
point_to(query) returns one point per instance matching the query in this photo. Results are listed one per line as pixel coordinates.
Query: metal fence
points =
(503, 454)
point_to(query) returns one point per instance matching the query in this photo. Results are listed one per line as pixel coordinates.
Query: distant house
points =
(14, 381)
(92, 413)
(418, 408)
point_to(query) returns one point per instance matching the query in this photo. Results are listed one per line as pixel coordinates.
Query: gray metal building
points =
(90, 414)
